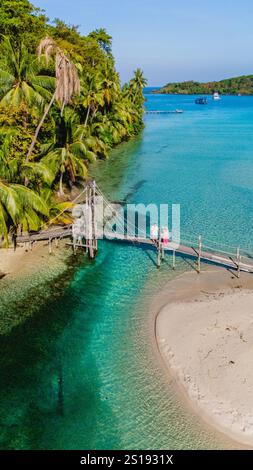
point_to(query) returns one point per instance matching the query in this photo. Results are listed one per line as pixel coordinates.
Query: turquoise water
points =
(81, 373)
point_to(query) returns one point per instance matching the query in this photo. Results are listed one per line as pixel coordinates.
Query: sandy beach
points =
(13, 262)
(25, 261)
(204, 333)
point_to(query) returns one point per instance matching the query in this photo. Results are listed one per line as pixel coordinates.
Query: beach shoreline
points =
(13, 263)
(190, 289)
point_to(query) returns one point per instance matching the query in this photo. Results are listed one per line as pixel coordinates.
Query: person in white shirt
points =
(154, 233)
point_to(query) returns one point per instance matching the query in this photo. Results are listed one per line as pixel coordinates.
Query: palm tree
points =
(139, 79)
(15, 169)
(67, 81)
(68, 155)
(110, 85)
(59, 212)
(20, 81)
(8, 167)
(103, 39)
(20, 205)
(138, 83)
(92, 95)
(92, 136)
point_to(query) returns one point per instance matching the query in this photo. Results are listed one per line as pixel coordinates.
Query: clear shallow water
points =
(80, 374)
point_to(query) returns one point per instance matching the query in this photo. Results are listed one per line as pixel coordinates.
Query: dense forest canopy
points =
(61, 107)
(232, 86)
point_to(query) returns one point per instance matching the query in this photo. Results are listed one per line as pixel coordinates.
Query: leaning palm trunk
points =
(67, 82)
(40, 126)
(94, 114)
(61, 192)
(87, 116)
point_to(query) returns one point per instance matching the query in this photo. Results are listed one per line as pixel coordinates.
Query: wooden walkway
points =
(219, 259)
(176, 111)
(46, 235)
(194, 251)
(206, 256)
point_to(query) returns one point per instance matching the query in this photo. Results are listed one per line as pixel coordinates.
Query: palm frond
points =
(29, 199)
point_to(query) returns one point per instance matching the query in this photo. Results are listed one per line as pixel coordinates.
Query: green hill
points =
(230, 86)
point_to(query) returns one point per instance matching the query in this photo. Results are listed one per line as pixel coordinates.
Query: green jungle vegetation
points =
(232, 86)
(61, 107)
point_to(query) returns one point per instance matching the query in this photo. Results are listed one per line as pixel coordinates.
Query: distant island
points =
(232, 86)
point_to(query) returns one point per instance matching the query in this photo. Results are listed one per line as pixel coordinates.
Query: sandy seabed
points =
(204, 333)
(27, 278)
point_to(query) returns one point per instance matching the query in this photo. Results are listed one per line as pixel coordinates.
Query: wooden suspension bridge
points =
(235, 259)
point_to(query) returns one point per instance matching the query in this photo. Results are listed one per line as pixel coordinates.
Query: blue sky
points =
(171, 40)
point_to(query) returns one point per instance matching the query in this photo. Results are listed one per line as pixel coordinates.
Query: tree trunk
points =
(135, 95)
(39, 127)
(61, 192)
(87, 116)
(94, 114)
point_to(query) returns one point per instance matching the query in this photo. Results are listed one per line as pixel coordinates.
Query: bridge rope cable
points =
(118, 220)
(65, 210)
(188, 242)
(246, 256)
(129, 224)
(243, 251)
(208, 247)
(121, 225)
(220, 243)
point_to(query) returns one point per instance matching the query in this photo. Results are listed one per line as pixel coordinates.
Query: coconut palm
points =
(67, 155)
(16, 170)
(92, 95)
(92, 137)
(20, 205)
(139, 79)
(8, 168)
(103, 39)
(67, 83)
(20, 81)
(110, 85)
(138, 83)
(60, 213)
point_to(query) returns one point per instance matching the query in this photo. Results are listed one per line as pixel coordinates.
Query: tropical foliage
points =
(61, 107)
(232, 86)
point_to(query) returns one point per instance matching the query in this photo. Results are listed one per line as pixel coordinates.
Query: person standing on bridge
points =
(165, 235)
(154, 232)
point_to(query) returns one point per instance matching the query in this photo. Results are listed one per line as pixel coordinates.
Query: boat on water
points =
(201, 101)
(216, 96)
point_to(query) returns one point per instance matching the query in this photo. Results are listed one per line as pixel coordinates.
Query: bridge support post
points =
(158, 256)
(238, 257)
(90, 226)
(92, 239)
(199, 254)
(159, 250)
(162, 252)
(94, 217)
(174, 260)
